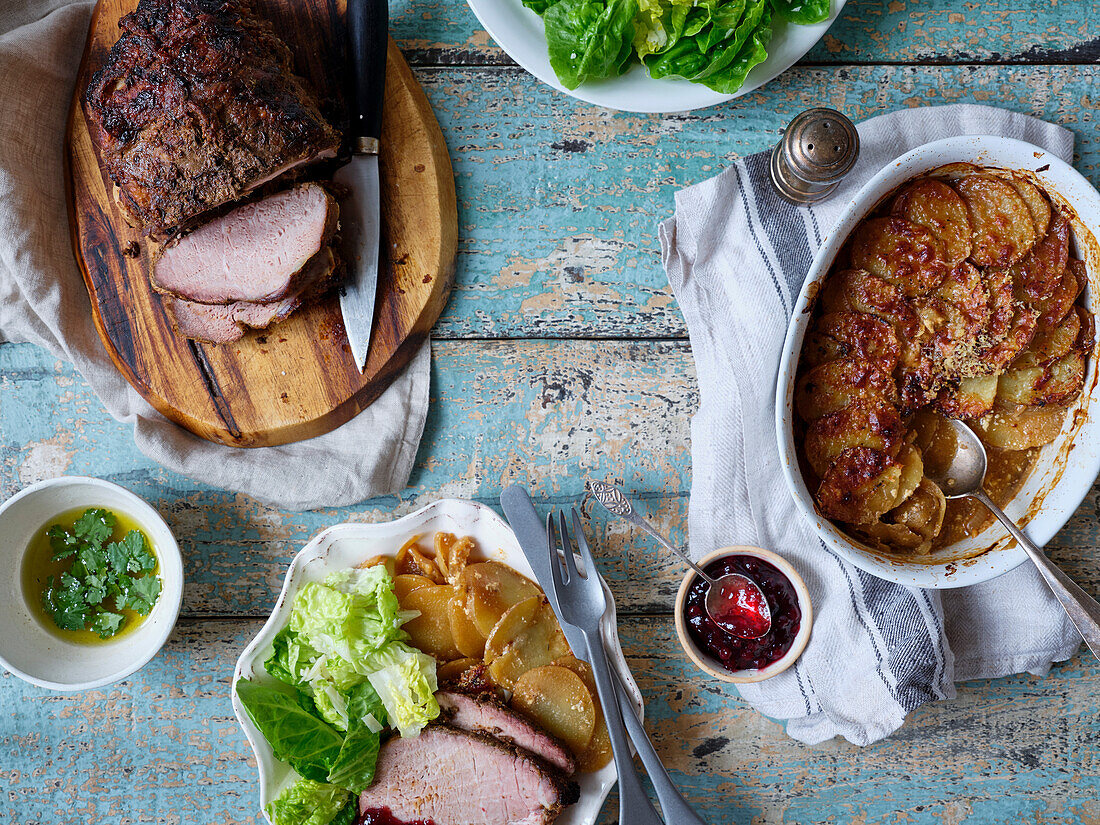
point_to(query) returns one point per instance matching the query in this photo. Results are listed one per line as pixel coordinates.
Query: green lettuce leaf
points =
(296, 736)
(309, 803)
(354, 766)
(804, 12)
(405, 681)
(590, 39)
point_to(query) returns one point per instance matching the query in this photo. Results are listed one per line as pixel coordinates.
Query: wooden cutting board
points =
(296, 379)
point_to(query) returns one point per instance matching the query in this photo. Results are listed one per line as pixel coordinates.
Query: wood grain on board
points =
(296, 379)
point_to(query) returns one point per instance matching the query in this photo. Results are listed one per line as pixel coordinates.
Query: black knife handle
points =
(368, 38)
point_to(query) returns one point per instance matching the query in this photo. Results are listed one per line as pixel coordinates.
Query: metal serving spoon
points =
(734, 602)
(964, 476)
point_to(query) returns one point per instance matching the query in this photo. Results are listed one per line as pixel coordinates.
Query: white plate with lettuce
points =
(392, 683)
(656, 55)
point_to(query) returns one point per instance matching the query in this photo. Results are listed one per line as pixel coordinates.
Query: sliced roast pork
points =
(483, 714)
(225, 323)
(453, 777)
(257, 253)
(195, 106)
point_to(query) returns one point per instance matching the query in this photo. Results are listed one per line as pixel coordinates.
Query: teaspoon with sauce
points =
(734, 602)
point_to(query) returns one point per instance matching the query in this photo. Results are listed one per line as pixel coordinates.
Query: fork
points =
(581, 603)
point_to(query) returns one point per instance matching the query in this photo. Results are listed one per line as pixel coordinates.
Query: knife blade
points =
(360, 212)
(531, 535)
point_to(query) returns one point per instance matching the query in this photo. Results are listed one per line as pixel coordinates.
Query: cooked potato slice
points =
(966, 301)
(412, 561)
(859, 486)
(937, 207)
(856, 290)
(834, 385)
(511, 626)
(468, 638)
(1019, 334)
(863, 424)
(458, 556)
(598, 753)
(1054, 383)
(431, 630)
(452, 671)
(442, 542)
(850, 335)
(973, 397)
(557, 699)
(1037, 203)
(491, 588)
(935, 438)
(912, 471)
(1021, 429)
(539, 642)
(1060, 301)
(1003, 230)
(406, 583)
(386, 561)
(1041, 269)
(922, 512)
(901, 252)
(1051, 343)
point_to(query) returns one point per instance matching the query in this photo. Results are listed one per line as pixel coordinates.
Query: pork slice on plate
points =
(483, 714)
(225, 323)
(453, 777)
(256, 253)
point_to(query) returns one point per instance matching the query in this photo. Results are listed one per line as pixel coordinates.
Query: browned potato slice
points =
(1050, 344)
(557, 699)
(1060, 302)
(966, 302)
(1037, 204)
(539, 642)
(922, 512)
(1037, 275)
(1021, 429)
(431, 630)
(856, 290)
(468, 638)
(973, 397)
(850, 335)
(834, 385)
(386, 561)
(406, 583)
(581, 668)
(899, 251)
(442, 543)
(458, 556)
(953, 171)
(863, 424)
(892, 538)
(935, 205)
(598, 752)
(1003, 230)
(453, 670)
(1055, 383)
(412, 561)
(1087, 336)
(860, 486)
(511, 626)
(491, 588)
(1019, 335)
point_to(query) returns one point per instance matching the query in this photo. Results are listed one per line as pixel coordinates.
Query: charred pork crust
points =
(196, 105)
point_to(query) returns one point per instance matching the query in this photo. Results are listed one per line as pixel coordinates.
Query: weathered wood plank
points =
(164, 747)
(559, 202)
(868, 31)
(546, 414)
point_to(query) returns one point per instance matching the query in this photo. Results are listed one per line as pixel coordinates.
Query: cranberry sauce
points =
(384, 816)
(745, 654)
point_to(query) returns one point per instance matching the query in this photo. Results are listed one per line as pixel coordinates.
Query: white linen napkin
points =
(736, 255)
(43, 299)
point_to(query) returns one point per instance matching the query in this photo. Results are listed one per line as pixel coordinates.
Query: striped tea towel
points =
(736, 256)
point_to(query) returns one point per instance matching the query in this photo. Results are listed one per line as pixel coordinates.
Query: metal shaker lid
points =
(818, 148)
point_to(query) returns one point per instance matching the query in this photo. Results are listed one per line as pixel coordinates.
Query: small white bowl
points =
(29, 650)
(1065, 470)
(711, 666)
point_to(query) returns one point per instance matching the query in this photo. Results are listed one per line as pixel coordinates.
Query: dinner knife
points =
(360, 211)
(531, 534)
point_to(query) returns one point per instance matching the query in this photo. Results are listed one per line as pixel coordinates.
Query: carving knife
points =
(530, 532)
(360, 210)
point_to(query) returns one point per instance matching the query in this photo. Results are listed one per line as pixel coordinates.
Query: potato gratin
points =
(956, 297)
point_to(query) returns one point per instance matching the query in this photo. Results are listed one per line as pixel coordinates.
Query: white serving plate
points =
(1062, 477)
(520, 32)
(346, 545)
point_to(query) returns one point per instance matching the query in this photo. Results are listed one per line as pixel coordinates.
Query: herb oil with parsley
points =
(41, 569)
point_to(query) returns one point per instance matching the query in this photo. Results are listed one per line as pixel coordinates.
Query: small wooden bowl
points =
(711, 666)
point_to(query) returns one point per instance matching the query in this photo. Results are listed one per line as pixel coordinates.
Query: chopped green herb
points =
(105, 577)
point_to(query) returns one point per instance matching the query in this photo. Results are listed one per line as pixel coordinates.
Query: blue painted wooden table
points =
(563, 353)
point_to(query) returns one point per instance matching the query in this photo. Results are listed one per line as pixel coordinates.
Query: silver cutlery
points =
(964, 477)
(734, 601)
(581, 603)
